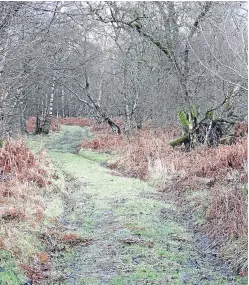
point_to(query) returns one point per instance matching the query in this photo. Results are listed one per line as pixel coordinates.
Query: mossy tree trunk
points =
(179, 141)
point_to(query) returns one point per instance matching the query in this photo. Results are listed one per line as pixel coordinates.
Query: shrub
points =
(81, 122)
(227, 213)
(22, 210)
(213, 162)
(105, 142)
(241, 129)
(16, 160)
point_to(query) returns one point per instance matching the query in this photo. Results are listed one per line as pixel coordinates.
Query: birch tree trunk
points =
(43, 125)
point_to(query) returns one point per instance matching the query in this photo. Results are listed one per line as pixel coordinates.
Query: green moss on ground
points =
(96, 156)
(10, 274)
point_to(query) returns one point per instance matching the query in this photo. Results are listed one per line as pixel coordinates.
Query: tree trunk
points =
(179, 141)
(43, 126)
(128, 120)
(63, 101)
(115, 128)
(47, 122)
(38, 128)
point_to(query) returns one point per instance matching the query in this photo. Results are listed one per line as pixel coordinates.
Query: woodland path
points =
(136, 237)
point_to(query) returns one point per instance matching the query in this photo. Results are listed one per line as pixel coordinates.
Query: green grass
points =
(10, 274)
(67, 140)
(54, 207)
(96, 156)
(89, 281)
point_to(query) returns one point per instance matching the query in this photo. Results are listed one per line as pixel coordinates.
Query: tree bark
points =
(179, 141)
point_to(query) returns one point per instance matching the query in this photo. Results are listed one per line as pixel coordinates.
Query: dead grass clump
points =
(31, 124)
(147, 154)
(22, 214)
(213, 162)
(81, 122)
(103, 127)
(241, 129)
(142, 152)
(137, 154)
(55, 125)
(208, 162)
(105, 142)
(105, 139)
(236, 253)
(36, 273)
(19, 200)
(16, 160)
(22, 210)
(227, 214)
(100, 127)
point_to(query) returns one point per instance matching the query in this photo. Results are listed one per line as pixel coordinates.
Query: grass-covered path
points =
(136, 237)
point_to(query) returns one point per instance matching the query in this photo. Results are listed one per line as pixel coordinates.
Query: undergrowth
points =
(18, 161)
(31, 124)
(81, 122)
(24, 179)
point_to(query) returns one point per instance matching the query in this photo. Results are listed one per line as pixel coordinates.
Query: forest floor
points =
(134, 236)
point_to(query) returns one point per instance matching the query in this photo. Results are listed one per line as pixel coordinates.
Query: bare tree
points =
(138, 60)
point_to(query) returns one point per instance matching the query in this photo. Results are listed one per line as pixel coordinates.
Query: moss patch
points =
(10, 274)
(54, 207)
(96, 156)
